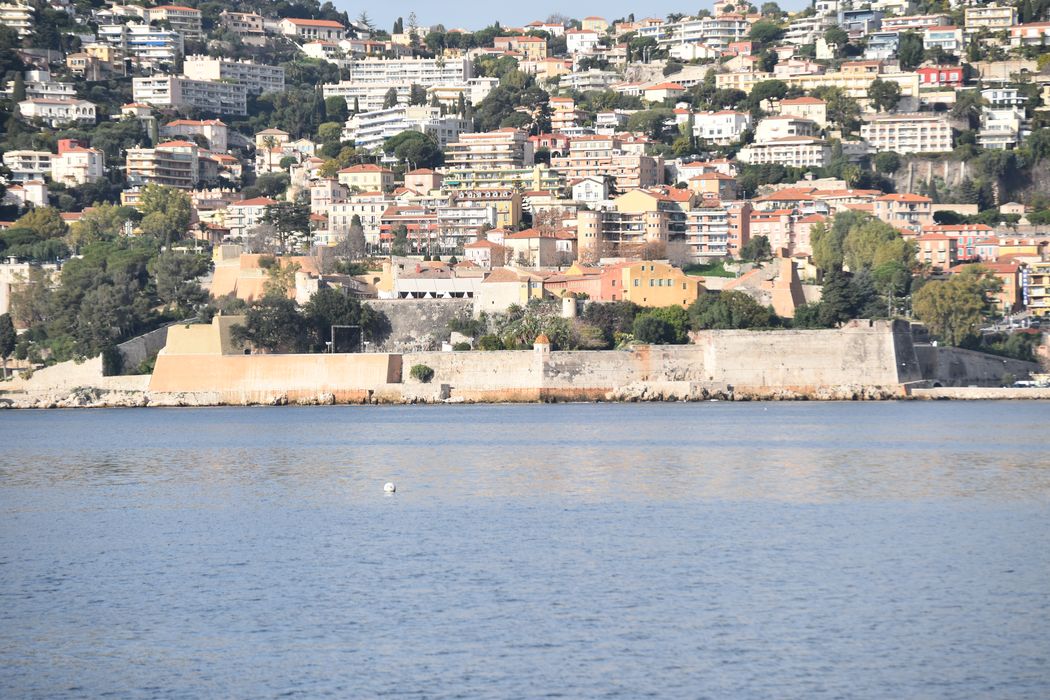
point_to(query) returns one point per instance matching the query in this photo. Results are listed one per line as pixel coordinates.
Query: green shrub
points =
(422, 373)
(461, 346)
(490, 342)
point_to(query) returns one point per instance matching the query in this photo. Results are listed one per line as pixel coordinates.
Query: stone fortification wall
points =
(247, 379)
(947, 367)
(419, 324)
(139, 349)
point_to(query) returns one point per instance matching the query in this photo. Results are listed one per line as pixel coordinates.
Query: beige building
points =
(208, 95)
(794, 151)
(257, 78)
(908, 133)
(367, 178)
(532, 48)
(312, 29)
(184, 20)
(603, 156)
(811, 108)
(175, 163)
(904, 211)
(76, 164)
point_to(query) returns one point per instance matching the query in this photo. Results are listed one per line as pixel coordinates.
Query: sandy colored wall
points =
(949, 367)
(262, 378)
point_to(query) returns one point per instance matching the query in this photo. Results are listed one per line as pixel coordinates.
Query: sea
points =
(704, 550)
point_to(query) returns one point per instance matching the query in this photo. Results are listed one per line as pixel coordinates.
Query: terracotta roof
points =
(315, 22)
(905, 197)
(254, 202)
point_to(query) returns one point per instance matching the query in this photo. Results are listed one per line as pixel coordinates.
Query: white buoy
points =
(389, 487)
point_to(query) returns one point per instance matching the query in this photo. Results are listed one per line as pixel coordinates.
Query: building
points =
(579, 41)
(663, 91)
(532, 248)
(367, 178)
(184, 20)
(993, 17)
(486, 254)
(491, 150)
(532, 48)
(146, 46)
(369, 130)
(173, 91)
(311, 29)
(243, 216)
(427, 72)
(213, 130)
(1003, 128)
(1031, 34)
(651, 283)
(811, 108)
(937, 251)
(76, 164)
(58, 112)
(249, 26)
(257, 78)
(940, 76)
(17, 15)
(28, 165)
(604, 156)
(1035, 287)
(908, 133)
(947, 38)
(174, 163)
(793, 151)
(904, 211)
(723, 127)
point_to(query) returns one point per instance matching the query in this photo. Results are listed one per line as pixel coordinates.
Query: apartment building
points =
(723, 127)
(580, 41)
(993, 17)
(811, 108)
(174, 163)
(369, 130)
(38, 84)
(904, 211)
(368, 207)
(175, 91)
(214, 130)
(58, 112)
(241, 217)
(908, 133)
(257, 78)
(532, 48)
(793, 151)
(76, 164)
(603, 156)
(949, 38)
(249, 26)
(1003, 128)
(311, 29)
(937, 251)
(367, 177)
(409, 71)
(17, 15)
(1035, 286)
(28, 165)
(503, 148)
(940, 76)
(914, 22)
(148, 47)
(184, 20)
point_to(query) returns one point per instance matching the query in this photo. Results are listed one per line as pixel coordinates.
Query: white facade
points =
(28, 165)
(1002, 128)
(724, 127)
(579, 41)
(257, 78)
(77, 166)
(58, 112)
(418, 71)
(18, 16)
(148, 46)
(368, 130)
(908, 133)
(794, 151)
(173, 91)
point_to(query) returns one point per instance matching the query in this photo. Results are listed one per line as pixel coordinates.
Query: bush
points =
(112, 361)
(422, 373)
(490, 342)
(458, 347)
(653, 329)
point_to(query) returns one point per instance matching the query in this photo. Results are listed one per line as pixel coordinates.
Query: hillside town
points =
(574, 183)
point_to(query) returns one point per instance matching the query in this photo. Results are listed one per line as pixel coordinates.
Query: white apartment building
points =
(241, 217)
(908, 133)
(368, 207)
(249, 26)
(1003, 128)
(38, 84)
(772, 128)
(368, 130)
(491, 150)
(793, 151)
(146, 45)
(175, 91)
(723, 127)
(257, 78)
(77, 165)
(949, 38)
(57, 112)
(17, 15)
(410, 71)
(28, 165)
(810, 108)
(581, 41)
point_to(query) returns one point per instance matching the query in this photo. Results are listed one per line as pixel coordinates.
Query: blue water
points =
(860, 550)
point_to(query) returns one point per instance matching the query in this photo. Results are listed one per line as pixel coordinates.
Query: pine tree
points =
(357, 105)
(19, 93)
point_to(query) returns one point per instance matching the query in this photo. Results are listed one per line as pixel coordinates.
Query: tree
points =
(842, 109)
(766, 32)
(837, 37)
(417, 95)
(771, 9)
(176, 277)
(45, 222)
(649, 328)
(390, 100)
(887, 162)
(8, 339)
(757, 248)
(166, 213)
(291, 222)
(104, 222)
(910, 50)
(18, 95)
(332, 307)
(728, 310)
(953, 309)
(415, 147)
(335, 109)
(884, 94)
(273, 324)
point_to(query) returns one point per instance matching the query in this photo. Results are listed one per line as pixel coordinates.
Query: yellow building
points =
(506, 202)
(367, 178)
(655, 284)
